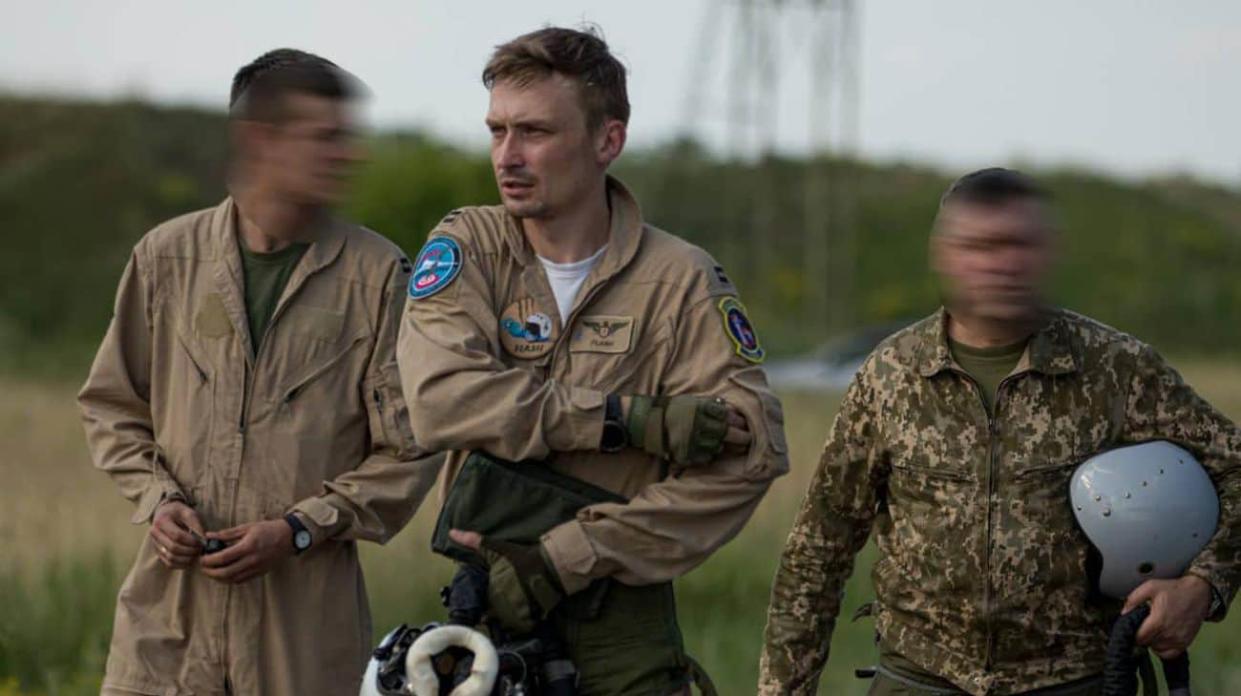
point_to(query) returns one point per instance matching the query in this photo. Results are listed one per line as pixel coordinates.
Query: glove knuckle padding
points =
(710, 427)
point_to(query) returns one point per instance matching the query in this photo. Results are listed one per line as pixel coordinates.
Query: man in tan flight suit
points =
(247, 394)
(540, 330)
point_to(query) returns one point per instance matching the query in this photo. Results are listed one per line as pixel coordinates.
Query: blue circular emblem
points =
(437, 265)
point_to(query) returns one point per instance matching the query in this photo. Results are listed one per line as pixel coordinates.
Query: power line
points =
(769, 50)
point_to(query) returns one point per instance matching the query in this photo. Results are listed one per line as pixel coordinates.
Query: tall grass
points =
(65, 545)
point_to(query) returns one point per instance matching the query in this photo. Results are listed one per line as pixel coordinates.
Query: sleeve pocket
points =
(388, 414)
(774, 414)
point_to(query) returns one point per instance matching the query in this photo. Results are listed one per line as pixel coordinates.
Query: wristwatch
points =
(301, 535)
(615, 435)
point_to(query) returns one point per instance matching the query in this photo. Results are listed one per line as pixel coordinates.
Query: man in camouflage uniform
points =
(956, 442)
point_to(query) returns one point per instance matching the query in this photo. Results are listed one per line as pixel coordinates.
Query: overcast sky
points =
(1134, 87)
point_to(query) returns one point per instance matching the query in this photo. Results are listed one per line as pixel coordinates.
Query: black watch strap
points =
(614, 437)
(301, 535)
(612, 408)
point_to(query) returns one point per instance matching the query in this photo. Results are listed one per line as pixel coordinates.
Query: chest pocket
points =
(932, 509)
(316, 343)
(186, 411)
(1043, 445)
(1040, 492)
(933, 470)
(915, 485)
(618, 352)
(1041, 471)
(941, 449)
(311, 417)
(317, 356)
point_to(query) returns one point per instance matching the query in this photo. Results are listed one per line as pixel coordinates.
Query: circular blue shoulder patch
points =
(437, 265)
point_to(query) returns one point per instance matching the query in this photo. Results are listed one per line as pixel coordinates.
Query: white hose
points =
(421, 672)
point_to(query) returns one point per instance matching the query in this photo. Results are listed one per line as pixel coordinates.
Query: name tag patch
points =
(602, 334)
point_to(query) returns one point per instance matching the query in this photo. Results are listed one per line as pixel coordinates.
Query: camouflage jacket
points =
(981, 576)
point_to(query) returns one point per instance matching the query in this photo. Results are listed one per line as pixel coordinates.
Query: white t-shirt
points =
(566, 279)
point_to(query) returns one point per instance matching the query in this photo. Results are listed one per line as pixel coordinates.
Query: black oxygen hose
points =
(466, 599)
(1120, 673)
(1176, 673)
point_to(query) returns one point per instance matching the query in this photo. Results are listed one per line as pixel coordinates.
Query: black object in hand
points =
(208, 546)
(466, 597)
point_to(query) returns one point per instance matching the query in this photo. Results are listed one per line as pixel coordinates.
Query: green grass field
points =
(65, 544)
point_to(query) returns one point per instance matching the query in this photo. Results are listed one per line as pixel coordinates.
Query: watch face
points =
(302, 540)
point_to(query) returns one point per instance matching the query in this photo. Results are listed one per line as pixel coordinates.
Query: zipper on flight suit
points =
(992, 432)
(251, 367)
(578, 304)
(992, 461)
(245, 392)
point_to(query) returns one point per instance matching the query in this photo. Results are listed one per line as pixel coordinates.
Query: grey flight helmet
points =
(1148, 509)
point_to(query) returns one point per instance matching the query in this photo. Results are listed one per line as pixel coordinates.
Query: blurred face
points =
(309, 155)
(993, 259)
(546, 160)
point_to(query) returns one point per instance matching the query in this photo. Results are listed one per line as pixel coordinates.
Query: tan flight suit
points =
(178, 406)
(649, 319)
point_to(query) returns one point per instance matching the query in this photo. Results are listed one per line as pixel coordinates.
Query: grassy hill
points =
(81, 182)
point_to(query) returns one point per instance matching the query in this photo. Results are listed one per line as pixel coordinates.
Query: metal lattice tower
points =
(769, 55)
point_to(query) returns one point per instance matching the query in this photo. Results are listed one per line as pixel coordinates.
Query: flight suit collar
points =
(326, 235)
(327, 239)
(624, 238)
(1050, 350)
(625, 233)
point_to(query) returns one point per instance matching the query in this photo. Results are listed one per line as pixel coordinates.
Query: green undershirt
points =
(265, 278)
(988, 366)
